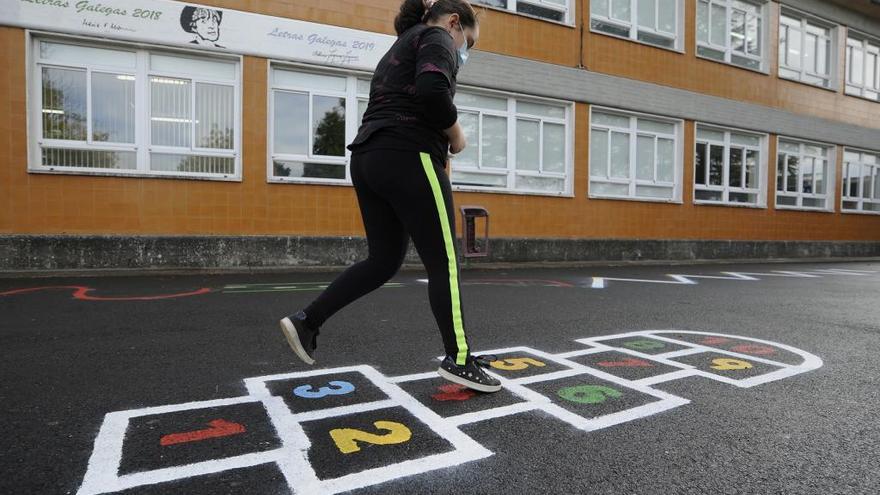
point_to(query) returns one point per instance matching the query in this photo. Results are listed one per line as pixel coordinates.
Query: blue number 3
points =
(342, 388)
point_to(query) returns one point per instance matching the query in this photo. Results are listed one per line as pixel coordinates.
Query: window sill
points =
(133, 175)
(860, 212)
(846, 93)
(472, 189)
(679, 51)
(812, 85)
(803, 208)
(639, 200)
(729, 205)
(530, 16)
(310, 182)
(731, 64)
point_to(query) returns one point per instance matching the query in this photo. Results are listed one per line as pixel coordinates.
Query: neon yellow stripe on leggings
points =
(457, 323)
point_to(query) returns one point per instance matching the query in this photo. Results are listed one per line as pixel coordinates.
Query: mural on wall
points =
(202, 22)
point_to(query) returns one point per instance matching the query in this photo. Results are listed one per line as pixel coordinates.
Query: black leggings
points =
(402, 195)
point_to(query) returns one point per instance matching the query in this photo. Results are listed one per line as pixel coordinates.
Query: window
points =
(133, 111)
(728, 167)
(803, 175)
(634, 156)
(514, 145)
(553, 10)
(861, 181)
(863, 67)
(655, 22)
(313, 116)
(806, 49)
(732, 31)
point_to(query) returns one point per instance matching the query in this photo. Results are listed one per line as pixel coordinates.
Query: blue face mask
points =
(463, 51)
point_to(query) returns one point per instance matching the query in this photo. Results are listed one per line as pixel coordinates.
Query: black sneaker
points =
(301, 337)
(470, 375)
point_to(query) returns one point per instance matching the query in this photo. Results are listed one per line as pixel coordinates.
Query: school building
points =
(158, 133)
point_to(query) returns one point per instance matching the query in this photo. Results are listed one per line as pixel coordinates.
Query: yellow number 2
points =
(346, 438)
(730, 364)
(516, 364)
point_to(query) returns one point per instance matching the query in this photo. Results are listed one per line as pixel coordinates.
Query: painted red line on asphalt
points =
(453, 391)
(218, 428)
(81, 293)
(627, 363)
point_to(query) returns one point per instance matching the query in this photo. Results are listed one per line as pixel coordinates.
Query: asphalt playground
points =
(697, 379)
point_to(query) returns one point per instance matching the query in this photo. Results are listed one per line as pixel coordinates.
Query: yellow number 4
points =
(346, 438)
(730, 364)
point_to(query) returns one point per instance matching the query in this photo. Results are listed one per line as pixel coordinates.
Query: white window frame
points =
(633, 26)
(806, 22)
(844, 197)
(142, 145)
(867, 44)
(351, 96)
(511, 171)
(633, 181)
(569, 11)
(764, 35)
(830, 176)
(725, 188)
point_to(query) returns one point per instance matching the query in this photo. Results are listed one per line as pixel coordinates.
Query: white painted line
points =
(680, 352)
(498, 412)
(666, 377)
(413, 377)
(333, 412)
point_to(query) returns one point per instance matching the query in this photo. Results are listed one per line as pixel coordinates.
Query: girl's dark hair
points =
(413, 12)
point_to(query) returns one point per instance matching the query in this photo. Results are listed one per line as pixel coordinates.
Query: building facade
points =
(164, 133)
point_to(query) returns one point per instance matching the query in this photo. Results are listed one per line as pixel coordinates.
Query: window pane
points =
(735, 169)
(308, 80)
(820, 172)
(807, 175)
(753, 177)
(57, 157)
(823, 57)
(793, 167)
(745, 139)
(599, 153)
(554, 148)
(283, 168)
(469, 156)
(87, 55)
(472, 100)
(610, 120)
(810, 48)
(780, 172)
(328, 125)
(667, 16)
(716, 165)
(607, 27)
(666, 160)
(786, 200)
(876, 182)
(527, 145)
(494, 142)
(743, 198)
(700, 164)
(703, 133)
(64, 104)
(620, 10)
(215, 116)
(192, 163)
(856, 69)
(645, 158)
(702, 21)
(708, 195)
(475, 179)
(601, 189)
(654, 192)
(543, 12)
(647, 13)
(814, 203)
(291, 123)
(659, 40)
(867, 182)
(719, 25)
(112, 108)
(363, 87)
(854, 180)
(362, 108)
(737, 31)
(789, 147)
(753, 35)
(871, 71)
(540, 110)
(599, 7)
(540, 184)
(215, 69)
(619, 155)
(170, 111)
(654, 126)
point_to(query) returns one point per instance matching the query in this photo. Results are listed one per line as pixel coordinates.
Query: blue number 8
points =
(342, 388)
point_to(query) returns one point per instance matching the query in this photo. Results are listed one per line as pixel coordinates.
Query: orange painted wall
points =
(41, 203)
